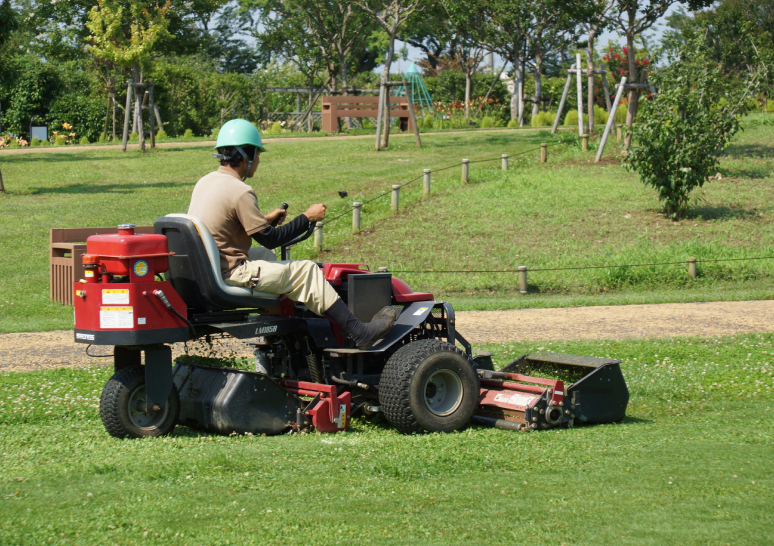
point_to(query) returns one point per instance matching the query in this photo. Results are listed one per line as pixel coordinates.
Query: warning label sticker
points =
(515, 399)
(116, 317)
(114, 297)
(421, 310)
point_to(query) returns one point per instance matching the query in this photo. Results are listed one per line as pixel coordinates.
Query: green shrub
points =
(101, 137)
(161, 134)
(487, 123)
(751, 105)
(133, 137)
(367, 124)
(276, 127)
(600, 115)
(188, 133)
(35, 141)
(543, 119)
(428, 122)
(770, 106)
(59, 140)
(85, 140)
(571, 119)
(13, 143)
(620, 114)
(44, 143)
(215, 133)
(513, 124)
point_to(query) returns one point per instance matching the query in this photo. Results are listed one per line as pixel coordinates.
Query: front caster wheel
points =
(123, 401)
(428, 385)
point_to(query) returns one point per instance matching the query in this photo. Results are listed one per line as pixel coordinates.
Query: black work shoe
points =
(379, 326)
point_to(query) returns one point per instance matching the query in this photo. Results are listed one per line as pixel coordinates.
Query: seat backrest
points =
(194, 269)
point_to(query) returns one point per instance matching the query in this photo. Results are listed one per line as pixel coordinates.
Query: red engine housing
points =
(120, 303)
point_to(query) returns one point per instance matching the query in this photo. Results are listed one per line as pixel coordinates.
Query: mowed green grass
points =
(564, 214)
(690, 464)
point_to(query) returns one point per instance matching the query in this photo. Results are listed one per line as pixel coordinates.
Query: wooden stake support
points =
(610, 119)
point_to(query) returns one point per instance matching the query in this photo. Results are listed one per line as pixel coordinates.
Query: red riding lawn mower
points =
(422, 375)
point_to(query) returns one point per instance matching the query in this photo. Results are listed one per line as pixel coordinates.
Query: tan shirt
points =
(229, 209)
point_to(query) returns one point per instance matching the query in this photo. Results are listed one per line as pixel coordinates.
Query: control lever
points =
(276, 220)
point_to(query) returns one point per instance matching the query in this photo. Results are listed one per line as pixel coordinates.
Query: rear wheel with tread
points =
(121, 403)
(428, 385)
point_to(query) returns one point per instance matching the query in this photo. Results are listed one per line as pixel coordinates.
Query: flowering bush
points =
(617, 62)
(9, 141)
(452, 114)
(66, 137)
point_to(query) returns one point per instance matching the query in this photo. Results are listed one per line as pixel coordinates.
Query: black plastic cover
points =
(227, 400)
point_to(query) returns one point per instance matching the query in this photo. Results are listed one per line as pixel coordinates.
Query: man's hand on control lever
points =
(316, 213)
(276, 217)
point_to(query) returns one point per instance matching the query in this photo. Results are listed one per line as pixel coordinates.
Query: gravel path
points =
(42, 350)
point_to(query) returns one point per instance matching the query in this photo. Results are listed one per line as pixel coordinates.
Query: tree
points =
(8, 24)
(633, 17)
(598, 19)
(390, 15)
(693, 116)
(125, 33)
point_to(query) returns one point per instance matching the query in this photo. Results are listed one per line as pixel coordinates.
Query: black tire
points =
(423, 367)
(125, 389)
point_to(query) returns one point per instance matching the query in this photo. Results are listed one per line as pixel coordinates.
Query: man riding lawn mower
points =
(329, 339)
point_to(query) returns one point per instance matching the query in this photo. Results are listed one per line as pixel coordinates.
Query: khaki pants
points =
(299, 280)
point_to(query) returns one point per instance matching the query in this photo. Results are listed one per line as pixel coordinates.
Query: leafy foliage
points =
(681, 130)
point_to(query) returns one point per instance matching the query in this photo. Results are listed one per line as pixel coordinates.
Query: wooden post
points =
(522, 279)
(107, 119)
(585, 142)
(504, 163)
(561, 102)
(608, 103)
(318, 236)
(387, 119)
(610, 121)
(692, 267)
(129, 87)
(465, 170)
(395, 196)
(150, 115)
(379, 113)
(356, 206)
(543, 152)
(412, 114)
(579, 87)
(619, 133)
(590, 94)
(2, 186)
(426, 182)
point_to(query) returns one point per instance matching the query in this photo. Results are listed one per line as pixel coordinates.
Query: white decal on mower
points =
(421, 310)
(87, 337)
(516, 399)
(266, 330)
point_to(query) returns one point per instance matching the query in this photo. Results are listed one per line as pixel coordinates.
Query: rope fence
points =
(521, 270)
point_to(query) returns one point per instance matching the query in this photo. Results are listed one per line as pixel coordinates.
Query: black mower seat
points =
(194, 269)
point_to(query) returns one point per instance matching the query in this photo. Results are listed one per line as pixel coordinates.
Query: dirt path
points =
(42, 350)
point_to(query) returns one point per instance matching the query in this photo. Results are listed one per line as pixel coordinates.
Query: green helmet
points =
(239, 132)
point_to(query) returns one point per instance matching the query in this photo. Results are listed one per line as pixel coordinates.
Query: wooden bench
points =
(65, 250)
(334, 108)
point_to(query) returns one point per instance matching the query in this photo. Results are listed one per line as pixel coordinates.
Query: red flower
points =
(650, 95)
(617, 56)
(645, 61)
(597, 89)
(625, 50)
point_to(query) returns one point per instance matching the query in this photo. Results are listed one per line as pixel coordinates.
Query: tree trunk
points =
(2, 186)
(634, 94)
(520, 91)
(386, 76)
(590, 78)
(514, 88)
(538, 77)
(138, 96)
(344, 86)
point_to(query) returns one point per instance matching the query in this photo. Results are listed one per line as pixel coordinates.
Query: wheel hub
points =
(443, 392)
(137, 405)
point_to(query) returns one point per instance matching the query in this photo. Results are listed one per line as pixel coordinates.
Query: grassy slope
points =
(566, 213)
(697, 418)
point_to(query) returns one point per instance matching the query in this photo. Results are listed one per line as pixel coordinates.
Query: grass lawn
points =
(566, 213)
(691, 464)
